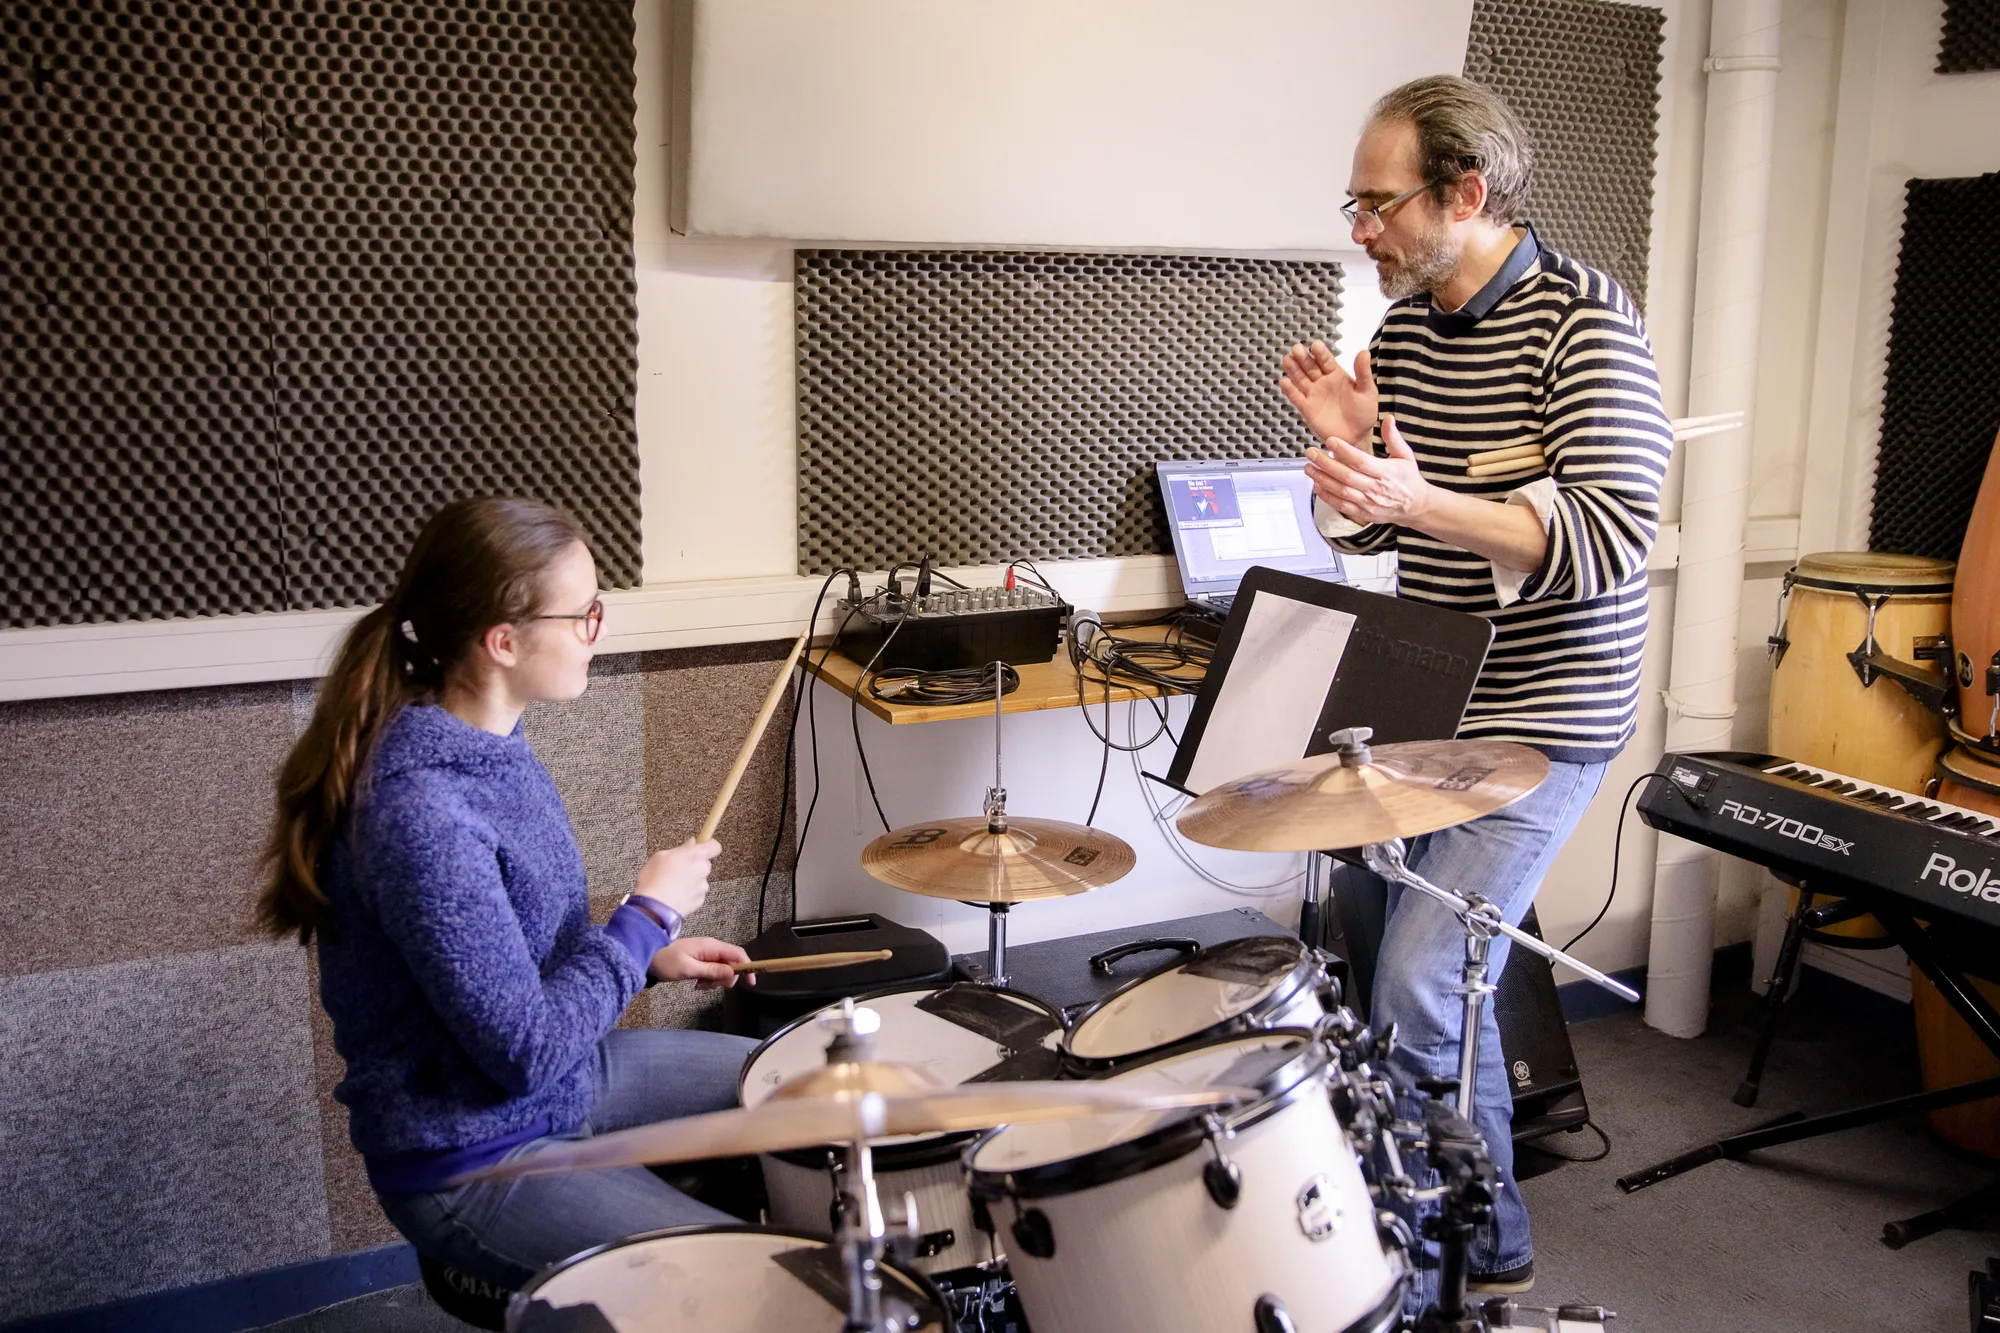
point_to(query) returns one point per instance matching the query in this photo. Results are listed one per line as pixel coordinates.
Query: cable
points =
(1538, 1144)
(960, 685)
(1617, 840)
(1104, 765)
(791, 741)
(854, 712)
(1164, 817)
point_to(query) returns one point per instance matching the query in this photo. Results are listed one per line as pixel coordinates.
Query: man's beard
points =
(1427, 264)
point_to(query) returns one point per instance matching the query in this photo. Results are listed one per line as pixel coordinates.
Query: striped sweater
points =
(1548, 352)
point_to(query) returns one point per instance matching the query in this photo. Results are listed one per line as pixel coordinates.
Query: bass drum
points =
(961, 1033)
(1947, 1049)
(1247, 985)
(1821, 713)
(1178, 1222)
(713, 1280)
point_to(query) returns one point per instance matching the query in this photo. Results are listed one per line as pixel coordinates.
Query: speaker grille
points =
(1941, 389)
(1584, 76)
(988, 405)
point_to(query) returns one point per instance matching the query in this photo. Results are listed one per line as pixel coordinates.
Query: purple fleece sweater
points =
(467, 987)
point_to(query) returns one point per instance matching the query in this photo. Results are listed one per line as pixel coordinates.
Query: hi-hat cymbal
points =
(1395, 791)
(783, 1122)
(965, 861)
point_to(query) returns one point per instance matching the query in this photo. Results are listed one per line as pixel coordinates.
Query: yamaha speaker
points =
(1541, 1066)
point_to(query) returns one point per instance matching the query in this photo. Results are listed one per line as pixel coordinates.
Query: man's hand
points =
(703, 961)
(1366, 489)
(1335, 405)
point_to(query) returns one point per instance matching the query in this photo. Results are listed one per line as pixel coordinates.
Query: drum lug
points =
(982, 1216)
(1272, 1316)
(1034, 1235)
(1223, 1177)
(1393, 1230)
(933, 1243)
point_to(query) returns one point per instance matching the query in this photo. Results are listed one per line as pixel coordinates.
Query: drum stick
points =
(776, 693)
(1502, 455)
(1524, 464)
(807, 962)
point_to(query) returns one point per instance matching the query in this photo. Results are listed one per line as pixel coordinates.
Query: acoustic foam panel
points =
(1584, 76)
(987, 405)
(282, 278)
(1971, 38)
(137, 477)
(1941, 389)
(450, 194)
(159, 1124)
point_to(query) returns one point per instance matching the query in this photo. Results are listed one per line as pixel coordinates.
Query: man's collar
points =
(1525, 252)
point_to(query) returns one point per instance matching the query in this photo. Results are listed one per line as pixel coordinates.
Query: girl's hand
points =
(679, 877)
(703, 961)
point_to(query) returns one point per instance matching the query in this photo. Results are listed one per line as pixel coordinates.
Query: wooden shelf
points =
(1044, 685)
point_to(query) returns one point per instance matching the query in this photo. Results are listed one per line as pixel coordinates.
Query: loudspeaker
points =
(1541, 1066)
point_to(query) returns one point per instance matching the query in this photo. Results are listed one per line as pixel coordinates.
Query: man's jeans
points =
(1501, 857)
(505, 1231)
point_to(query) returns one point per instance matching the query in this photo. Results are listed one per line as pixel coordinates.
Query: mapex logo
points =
(1812, 835)
(1983, 885)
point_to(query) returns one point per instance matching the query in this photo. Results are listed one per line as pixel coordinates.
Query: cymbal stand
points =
(996, 824)
(861, 1234)
(1482, 922)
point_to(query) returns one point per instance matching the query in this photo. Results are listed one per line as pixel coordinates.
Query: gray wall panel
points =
(159, 1126)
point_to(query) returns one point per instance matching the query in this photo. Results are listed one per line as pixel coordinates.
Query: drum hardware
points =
(1457, 1151)
(1222, 1177)
(1482, 921)
(1932, 689)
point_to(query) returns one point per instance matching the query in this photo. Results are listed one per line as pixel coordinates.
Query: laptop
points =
(1231, 515)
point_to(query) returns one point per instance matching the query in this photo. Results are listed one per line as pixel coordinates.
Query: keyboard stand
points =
(1951, 981)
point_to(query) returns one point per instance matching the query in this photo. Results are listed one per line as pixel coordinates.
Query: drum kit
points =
(1218, 1144)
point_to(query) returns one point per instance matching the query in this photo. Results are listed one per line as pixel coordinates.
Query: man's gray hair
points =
(1462, 127)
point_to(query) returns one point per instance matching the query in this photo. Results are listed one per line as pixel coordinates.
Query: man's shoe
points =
(1510, 1283)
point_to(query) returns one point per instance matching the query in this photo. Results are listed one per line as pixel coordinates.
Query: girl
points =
(423, 845)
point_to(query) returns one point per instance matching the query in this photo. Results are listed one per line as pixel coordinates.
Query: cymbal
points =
(1401, 790)
(783, 1122)
(963, 860)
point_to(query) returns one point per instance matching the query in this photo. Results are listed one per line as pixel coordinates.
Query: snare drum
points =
(1248, 985)
(961, 1033)
(726, 1279)
(1167, 1221)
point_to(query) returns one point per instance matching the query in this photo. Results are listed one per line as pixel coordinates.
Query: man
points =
(1494, 342)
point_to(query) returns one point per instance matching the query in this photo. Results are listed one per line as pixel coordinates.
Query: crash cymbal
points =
(965, 861)
(1364, 794)
(784, 1122)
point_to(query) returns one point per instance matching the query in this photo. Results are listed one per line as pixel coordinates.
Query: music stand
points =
(1403, 668)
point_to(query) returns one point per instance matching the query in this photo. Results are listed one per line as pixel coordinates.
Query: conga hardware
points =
(1935, 690)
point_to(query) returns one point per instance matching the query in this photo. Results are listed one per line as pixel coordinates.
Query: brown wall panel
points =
(133, 823)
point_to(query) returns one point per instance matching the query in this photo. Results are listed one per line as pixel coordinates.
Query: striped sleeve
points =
(1607, 441)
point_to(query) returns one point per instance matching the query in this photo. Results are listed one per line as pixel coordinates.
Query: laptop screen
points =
(1227, 516)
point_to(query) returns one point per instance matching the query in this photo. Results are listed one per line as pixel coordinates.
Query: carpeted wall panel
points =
(133, 823)
(987, 405)
(1585, 77)
(284, 277)
(1941, 389)
(159, 1126)
(1971, 38)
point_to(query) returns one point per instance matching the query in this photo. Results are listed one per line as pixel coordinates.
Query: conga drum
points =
(1821, 713)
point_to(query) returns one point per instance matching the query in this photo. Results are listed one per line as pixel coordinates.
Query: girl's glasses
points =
(589, 623)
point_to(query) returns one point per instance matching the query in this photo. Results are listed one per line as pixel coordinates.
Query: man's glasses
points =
(589, 623)
(1354, 210)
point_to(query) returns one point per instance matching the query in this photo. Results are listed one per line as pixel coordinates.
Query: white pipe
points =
(1729, 277)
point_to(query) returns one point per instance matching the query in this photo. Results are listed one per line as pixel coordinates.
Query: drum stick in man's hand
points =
(771, 699)
(809, 961)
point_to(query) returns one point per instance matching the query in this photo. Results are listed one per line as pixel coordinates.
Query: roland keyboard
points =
(1941, 861)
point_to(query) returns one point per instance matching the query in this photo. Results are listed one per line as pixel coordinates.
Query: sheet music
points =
(1277, 683)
